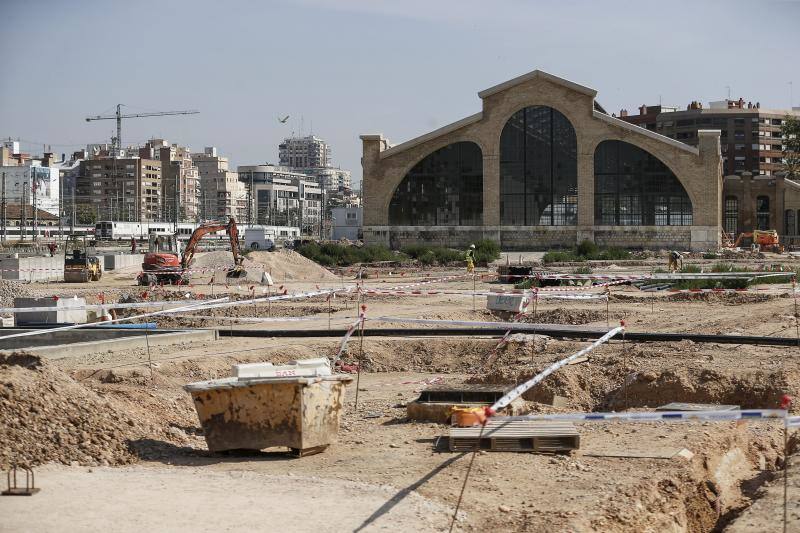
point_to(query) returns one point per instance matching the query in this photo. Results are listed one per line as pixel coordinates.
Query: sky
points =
(344, 68)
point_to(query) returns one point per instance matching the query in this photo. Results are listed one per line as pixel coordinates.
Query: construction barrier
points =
(519, 390)
(665, 416)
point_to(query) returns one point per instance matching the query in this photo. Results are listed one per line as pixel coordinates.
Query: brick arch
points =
(396, 173)
(644, 211)
(511, 210)
(402, 210)
(658, 153)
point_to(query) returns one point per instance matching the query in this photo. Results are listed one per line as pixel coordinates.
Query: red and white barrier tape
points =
(519, 390)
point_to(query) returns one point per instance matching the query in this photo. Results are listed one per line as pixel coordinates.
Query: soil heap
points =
(290, 265)
(46, 416)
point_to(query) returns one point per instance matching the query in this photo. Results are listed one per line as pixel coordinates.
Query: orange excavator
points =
(163, 265)
(766, 240)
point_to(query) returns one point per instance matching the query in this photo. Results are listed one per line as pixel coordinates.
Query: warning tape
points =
(517, 391)
(347, 336)
(792, 421)
(477, 324)
(524, 293)
(665, 416)
(774, 290)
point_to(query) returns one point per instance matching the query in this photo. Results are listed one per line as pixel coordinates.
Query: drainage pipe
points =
(569, 332)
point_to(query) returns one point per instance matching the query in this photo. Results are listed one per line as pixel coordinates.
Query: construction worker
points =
(470, 258)
(675, 259)
(133, 245)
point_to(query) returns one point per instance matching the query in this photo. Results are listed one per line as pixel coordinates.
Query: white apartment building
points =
(304, 152)
(281, 196)
(32, 184)
(221, 193)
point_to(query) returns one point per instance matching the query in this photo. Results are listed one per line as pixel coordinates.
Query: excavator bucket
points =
(237, 272)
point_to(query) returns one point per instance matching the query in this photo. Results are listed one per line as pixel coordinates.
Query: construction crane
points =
(116, 142)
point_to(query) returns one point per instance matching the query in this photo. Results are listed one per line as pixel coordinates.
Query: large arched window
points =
(633, 188)
(444, 189)
(538, 169)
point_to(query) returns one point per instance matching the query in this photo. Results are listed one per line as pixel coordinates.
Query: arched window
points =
(538, 169)
(762, 212)
(633, 188)
(732, 215)
(444, 189)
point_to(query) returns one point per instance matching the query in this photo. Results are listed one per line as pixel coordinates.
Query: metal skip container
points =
(301, 413)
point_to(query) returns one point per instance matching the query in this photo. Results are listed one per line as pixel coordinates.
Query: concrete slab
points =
(76, 342)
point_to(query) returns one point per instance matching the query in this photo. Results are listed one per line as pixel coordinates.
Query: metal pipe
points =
(573, 333)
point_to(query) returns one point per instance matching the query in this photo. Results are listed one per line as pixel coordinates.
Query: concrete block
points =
(513, 303)
(63, 311)
(115, 261)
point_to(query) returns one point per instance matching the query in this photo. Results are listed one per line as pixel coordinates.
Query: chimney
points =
(47, 159)
(623, 113)
(642, 109)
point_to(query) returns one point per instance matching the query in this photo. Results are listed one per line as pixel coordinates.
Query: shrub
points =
(427, 258)
(582, 270)
(486, 251)
(561, 257)
(614, 254)
(587, 249)
(690, 269)
(334, 254)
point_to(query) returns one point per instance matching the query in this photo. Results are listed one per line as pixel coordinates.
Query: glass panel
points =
(731, 215)
(634, 188)
(538, 169)
(789, 222)
(444, 189)
(762, 212)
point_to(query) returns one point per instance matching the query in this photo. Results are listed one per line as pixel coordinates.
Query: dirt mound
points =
(289, 265)
(573, 317)
(46, 416)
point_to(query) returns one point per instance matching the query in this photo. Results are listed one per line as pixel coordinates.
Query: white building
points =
(304, 152)
(221, 193)
(281, 196)
(31, 184)
(346, 223)
(312, 156)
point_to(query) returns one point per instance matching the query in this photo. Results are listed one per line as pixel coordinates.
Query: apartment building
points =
(125, 189)
(222, 195)
(179, 178)
(750, 139)
(312, 156)
(281, 196)
(32, 184)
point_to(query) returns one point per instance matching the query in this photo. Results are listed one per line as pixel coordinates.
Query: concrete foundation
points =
(63, 311)
(79, 342)
(115, 261)
(32, 268)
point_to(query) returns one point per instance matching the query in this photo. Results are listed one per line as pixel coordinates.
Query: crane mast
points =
(116, 142)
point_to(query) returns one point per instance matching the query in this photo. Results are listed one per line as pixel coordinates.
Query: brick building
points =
(124, 189)
(543, 165)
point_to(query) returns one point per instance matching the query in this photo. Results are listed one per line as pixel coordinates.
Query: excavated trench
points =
(724, 477)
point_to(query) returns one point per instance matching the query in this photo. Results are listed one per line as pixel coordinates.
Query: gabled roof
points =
(533, 75)
(433, 134)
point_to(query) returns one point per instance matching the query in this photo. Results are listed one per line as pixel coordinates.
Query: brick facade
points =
(698, 170)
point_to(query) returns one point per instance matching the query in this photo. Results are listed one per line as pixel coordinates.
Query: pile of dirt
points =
(10, 290)
(575, 317)
(289, 265)
(46, 416)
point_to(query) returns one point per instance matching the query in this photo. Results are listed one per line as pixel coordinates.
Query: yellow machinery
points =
(80, 263)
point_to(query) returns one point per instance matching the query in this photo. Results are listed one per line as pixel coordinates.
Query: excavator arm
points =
(233, 234)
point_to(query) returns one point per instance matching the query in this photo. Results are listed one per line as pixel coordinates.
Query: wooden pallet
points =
(516, 436)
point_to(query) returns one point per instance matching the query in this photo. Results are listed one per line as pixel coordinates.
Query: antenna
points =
(729, 91)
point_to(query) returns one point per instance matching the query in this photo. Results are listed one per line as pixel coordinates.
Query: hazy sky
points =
(397, 67)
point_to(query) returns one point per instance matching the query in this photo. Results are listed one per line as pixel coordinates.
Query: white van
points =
(259, 239)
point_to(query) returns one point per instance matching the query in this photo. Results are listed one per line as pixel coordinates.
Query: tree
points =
(790, 131)
(84, 214)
